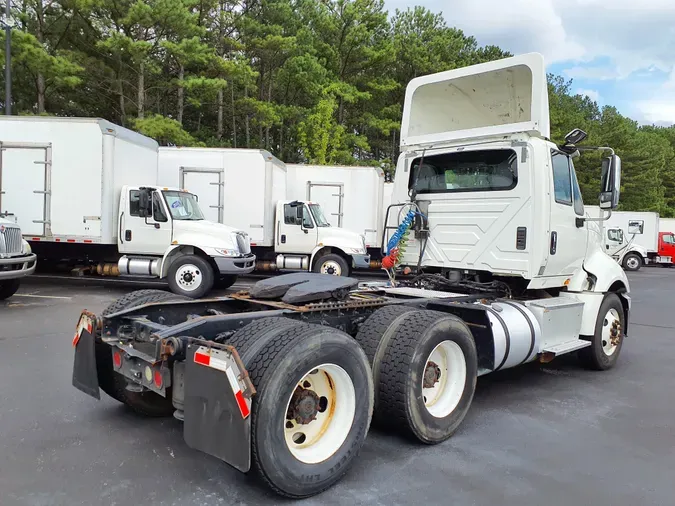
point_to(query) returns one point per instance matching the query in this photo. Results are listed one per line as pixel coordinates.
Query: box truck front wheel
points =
(332, 264)
(426, 375)
(8, 288)
(632, 262)
(313, 404)
(607, 341)
(191, 276)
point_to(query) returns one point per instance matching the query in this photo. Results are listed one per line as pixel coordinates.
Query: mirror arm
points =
(595, 148)
(605, 218)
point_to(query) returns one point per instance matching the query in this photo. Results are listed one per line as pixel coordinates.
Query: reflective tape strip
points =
(80, 327)
(204, 358)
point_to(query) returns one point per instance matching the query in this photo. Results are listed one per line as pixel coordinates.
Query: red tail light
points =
(158, 379)
(117, 359)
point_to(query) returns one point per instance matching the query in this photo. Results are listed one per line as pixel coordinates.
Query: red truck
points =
(667, 246)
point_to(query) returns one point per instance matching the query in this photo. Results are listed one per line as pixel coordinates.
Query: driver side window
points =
(158, 213)
(669, 239)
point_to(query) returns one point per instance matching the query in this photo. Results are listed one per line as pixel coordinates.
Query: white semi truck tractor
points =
(507, 269)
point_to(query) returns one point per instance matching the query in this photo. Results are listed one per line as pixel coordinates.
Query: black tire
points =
(374, 336)
(401, 404)
(113, 383)
(224, 282)
(9, 288)
(594, 357)
(200, 267)
(275, 368)
(632, 262)
(320, 267)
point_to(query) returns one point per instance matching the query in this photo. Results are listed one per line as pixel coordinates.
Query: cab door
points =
(143, 232)
(567, 234)
(667, 245)
(296, 231)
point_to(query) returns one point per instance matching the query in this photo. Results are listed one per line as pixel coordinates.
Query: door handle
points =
(127, 235)
(121, 226)
(554, 242)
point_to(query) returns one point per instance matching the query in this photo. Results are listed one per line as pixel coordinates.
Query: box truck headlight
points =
(357, 251)
(25, 247)
(227, 252)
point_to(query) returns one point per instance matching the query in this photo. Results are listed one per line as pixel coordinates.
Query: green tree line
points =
(311, 81)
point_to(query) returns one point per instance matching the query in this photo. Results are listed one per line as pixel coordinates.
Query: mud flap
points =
(217, 405)
(85, 377)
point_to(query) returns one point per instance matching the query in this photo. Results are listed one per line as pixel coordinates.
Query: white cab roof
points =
(495, 98)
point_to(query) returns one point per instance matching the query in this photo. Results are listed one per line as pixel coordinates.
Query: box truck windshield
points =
(318, 215)
(183, 206)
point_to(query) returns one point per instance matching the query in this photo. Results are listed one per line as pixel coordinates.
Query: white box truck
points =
(16, 258)
(632, 238)
(667, 225)
(351, 197)
(247, 189)
(519, 277)
(85, 190)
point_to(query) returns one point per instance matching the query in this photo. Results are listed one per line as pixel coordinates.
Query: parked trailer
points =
(247, 189)
(84, 192)
(351, 197)
(283, 379)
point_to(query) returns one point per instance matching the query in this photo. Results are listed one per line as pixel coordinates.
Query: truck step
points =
(569, 346)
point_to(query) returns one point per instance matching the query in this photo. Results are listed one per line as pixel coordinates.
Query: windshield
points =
(319, 218)
(183, 206)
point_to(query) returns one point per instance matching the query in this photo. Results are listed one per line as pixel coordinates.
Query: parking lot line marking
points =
(40, 296)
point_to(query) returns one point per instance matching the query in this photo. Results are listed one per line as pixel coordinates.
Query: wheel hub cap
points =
(432, 374)
(305, 404)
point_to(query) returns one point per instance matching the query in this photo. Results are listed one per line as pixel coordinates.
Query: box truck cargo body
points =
(85, 192)
(351, 197)
(247, 189)
(62, 177)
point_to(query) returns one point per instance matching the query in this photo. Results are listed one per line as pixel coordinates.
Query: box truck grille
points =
(243, 244)
(10, 240)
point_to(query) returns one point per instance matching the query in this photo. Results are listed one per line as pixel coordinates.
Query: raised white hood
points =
(496, 98)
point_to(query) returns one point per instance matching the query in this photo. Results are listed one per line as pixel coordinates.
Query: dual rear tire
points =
(424, 367)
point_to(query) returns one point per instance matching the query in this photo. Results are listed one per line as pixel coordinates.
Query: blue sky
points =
(618, 52)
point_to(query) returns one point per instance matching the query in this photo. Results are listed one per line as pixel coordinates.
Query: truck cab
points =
(16, 258)
(163, 233)
(304, 239)
(667, 247)
(492, 199)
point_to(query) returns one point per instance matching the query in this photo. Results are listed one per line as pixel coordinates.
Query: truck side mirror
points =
(144, 203)
(611, 182)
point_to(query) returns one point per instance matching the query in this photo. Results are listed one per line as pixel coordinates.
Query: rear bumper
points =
(235, 265)
(17, 267)
(361, 261)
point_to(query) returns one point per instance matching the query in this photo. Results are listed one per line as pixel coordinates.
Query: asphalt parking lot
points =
(536, 435)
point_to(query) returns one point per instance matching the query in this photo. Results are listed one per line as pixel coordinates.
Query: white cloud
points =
(592, 94)
(603, 73)
(632, 35)
(599, 40)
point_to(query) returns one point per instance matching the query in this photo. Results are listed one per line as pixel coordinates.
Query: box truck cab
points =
(16, 258)
(247, 189)
(85, 194)
(163, 233)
